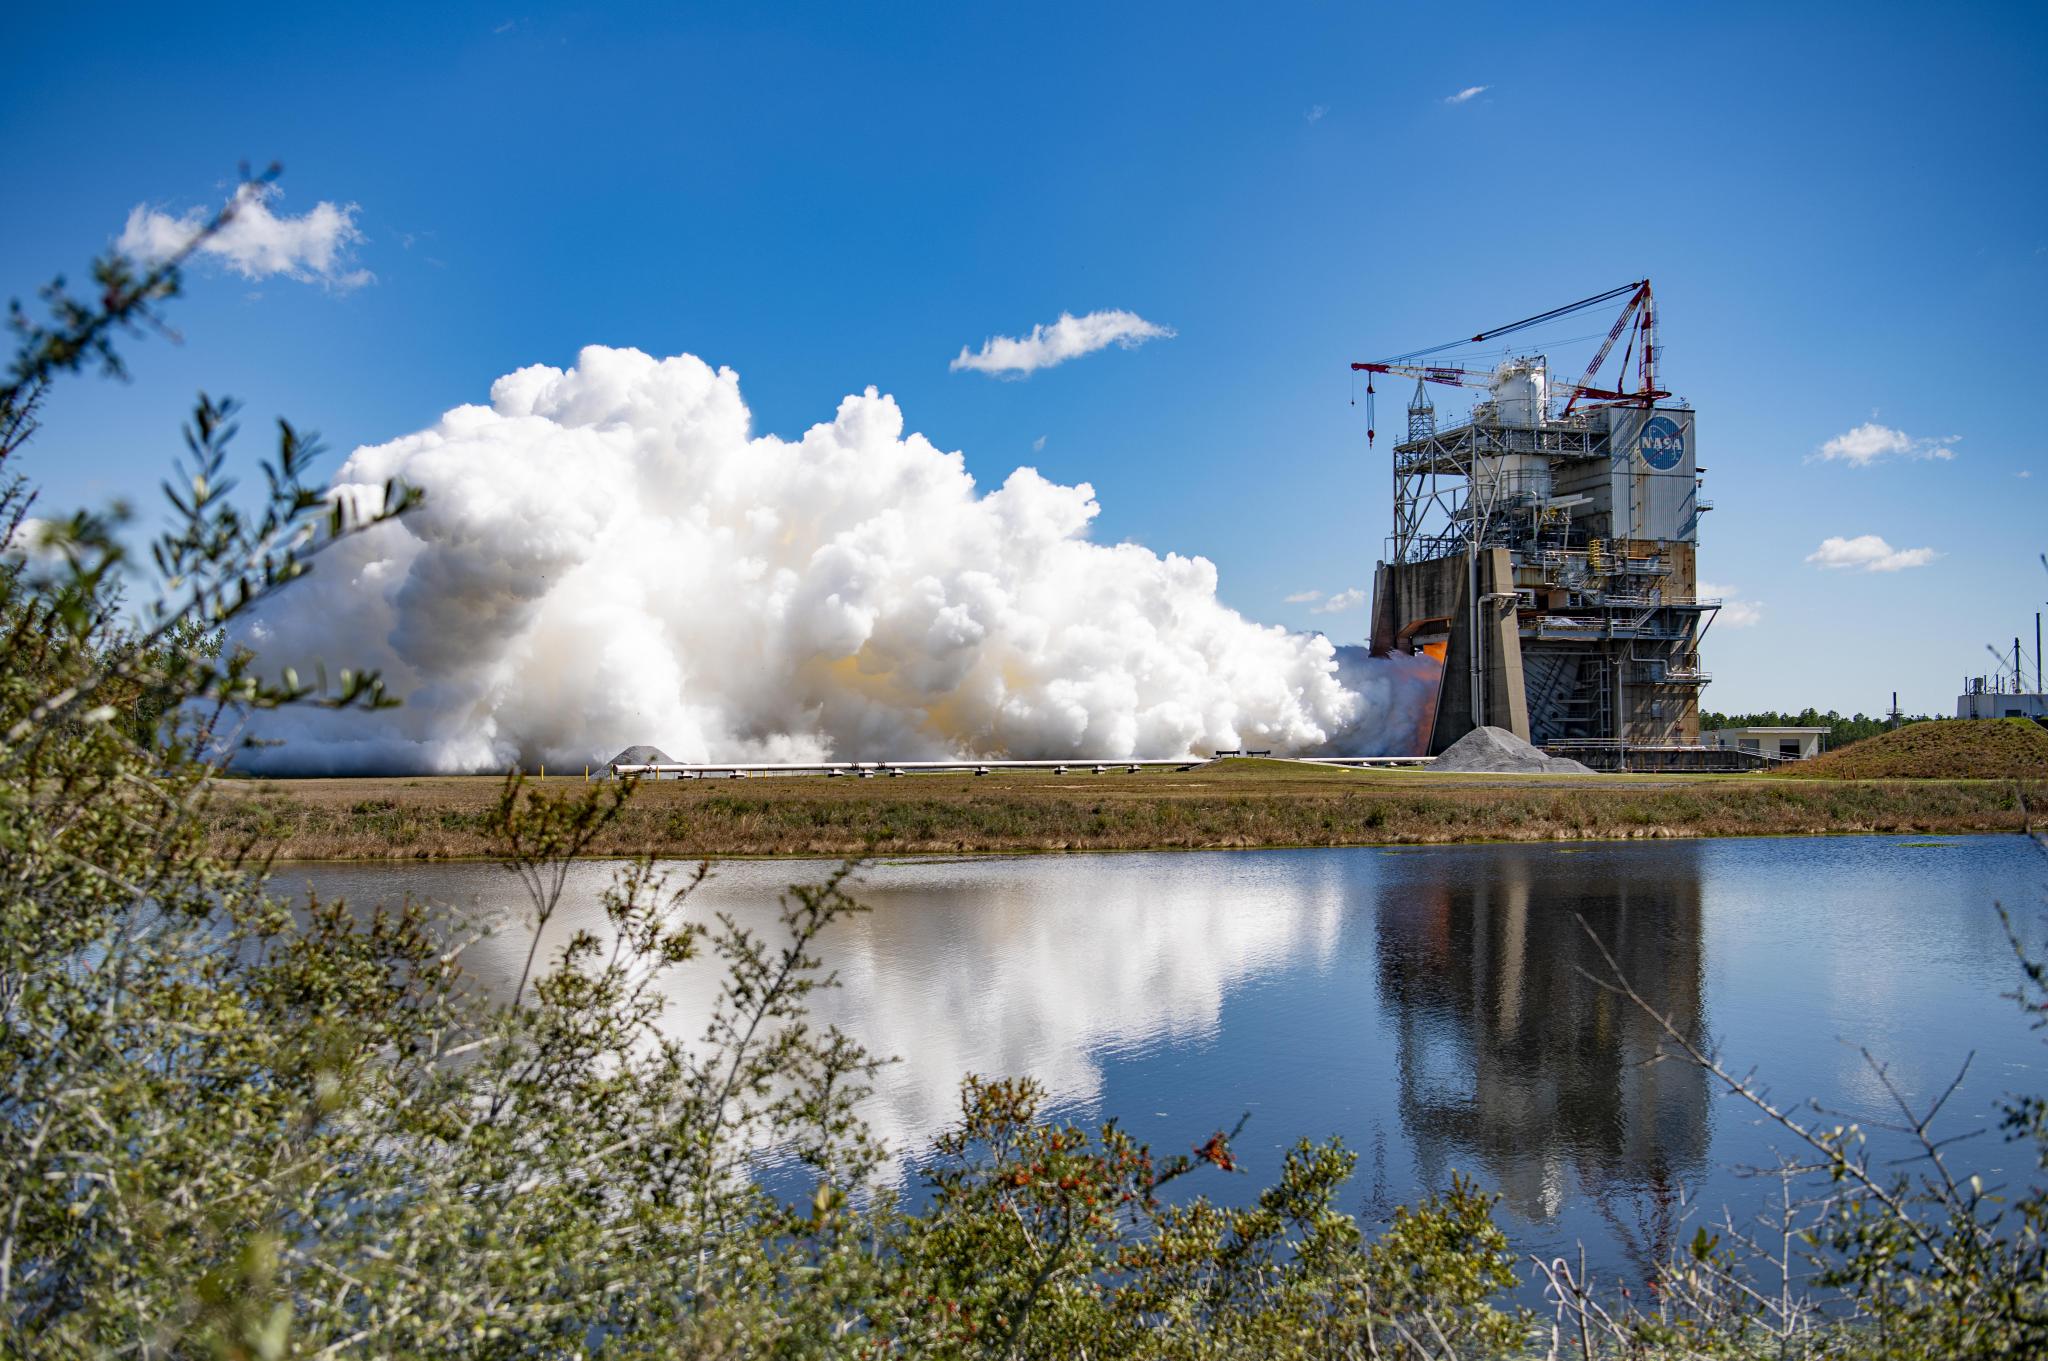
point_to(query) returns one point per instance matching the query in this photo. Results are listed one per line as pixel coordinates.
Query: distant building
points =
(1786, 744)
(1994, 697)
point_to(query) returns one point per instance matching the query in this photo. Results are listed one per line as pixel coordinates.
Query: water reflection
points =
(1429, 1007)
(1051, 974)
(1508, 1060)
(1047, 968)
(1513, 1060)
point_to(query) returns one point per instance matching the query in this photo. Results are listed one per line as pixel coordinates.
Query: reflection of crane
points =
(1637, 310)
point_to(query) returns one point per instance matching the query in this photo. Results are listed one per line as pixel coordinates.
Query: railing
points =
(1571, 626)
(1675, 675)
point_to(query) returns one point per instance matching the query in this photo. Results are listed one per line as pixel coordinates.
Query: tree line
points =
(1842, 731)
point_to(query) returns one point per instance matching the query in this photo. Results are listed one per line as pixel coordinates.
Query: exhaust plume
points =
(609, 555)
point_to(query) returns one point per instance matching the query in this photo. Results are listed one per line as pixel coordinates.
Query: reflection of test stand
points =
(1508, 1052)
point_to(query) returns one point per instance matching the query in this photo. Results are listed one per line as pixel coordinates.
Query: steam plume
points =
(609, 555)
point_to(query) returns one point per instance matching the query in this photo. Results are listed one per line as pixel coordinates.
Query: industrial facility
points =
(2003, 693)
(1543, 549)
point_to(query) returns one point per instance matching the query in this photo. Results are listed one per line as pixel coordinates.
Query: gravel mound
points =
(1496, 751)
(642, 755)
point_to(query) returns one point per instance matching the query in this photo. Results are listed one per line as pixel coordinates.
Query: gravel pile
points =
(641, 756)
(1496, 751)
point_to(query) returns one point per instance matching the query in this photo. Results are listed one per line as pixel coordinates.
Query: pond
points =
(1430, 1006)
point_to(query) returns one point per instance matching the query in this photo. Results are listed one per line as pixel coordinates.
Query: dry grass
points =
(1230, 804)
(1952, 749)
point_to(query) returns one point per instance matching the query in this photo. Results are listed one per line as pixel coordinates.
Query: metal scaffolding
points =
(1599, 543)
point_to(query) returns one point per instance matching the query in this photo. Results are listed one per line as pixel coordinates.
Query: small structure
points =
(1781, 744)
(1999, 697)
(2004, 693)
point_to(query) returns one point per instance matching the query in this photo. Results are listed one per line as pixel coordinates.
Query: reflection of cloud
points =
(1047, 970)
(955, 970)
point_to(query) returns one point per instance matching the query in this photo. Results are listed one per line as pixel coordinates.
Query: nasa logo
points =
(1661, 444)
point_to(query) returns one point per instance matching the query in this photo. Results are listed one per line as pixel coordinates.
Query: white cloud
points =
(1869, 553)
(1315, 112)
(34, 541)
(1340, 602)
(1068, 338)
(1469, 92)
(1871, 443)
(1302, 597)
(318, 246)
(2024, 472)
(1736, 613)
(1038, 445)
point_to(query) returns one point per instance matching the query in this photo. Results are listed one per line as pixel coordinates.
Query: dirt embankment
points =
(1230, 804)
(1951, 749)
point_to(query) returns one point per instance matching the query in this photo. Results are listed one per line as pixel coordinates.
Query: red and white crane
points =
(1638, 318)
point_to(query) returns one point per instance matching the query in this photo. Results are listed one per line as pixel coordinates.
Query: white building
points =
(1786, 744)
(1983, 699)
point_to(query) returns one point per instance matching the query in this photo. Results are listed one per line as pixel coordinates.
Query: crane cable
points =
(1524, 324)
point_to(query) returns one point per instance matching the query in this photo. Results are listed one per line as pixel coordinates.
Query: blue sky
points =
(1841, 207)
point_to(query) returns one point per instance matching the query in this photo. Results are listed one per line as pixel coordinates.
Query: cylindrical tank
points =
(1523, 477)
(1519, 390)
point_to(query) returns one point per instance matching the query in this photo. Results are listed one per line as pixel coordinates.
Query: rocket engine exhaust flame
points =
(609, 555)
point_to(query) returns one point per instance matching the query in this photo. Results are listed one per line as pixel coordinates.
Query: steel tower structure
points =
(1546, 551)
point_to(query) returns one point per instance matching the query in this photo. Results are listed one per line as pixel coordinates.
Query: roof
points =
(1772, 729)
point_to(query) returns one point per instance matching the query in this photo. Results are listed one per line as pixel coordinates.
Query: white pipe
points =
(689, 769)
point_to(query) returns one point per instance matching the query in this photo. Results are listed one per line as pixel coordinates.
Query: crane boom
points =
(1448, 375)
(1641, 298)
(1639, 309)
(1452, 376)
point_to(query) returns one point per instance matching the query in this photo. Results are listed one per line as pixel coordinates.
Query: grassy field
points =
(1234, 803)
